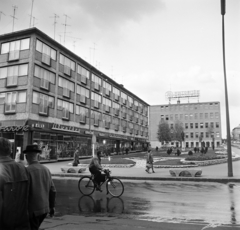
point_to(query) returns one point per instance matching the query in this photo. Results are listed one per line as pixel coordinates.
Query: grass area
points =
(121, 159)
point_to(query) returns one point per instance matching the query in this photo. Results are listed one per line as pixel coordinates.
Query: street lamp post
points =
(230, 170)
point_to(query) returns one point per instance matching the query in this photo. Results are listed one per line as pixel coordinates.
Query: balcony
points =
(96, 104)
(107, 125)
(44, 84)
(66, 93)
(83, 99)
(67, 71)
(46, 59)
(10, 108)
(14, 55)
(96, 122)
(107, 92)
(82, 119)
(66, 115)
(83, 80)
(43, 110)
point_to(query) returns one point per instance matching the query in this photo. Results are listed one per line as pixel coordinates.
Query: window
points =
(67, 86)
(97, 99)
(186, 116)
(211, 115)
(217, 124)
(176, 116)
(84, 94)
(107, 104)
(171, 117)
(190, 116)
(191, 135)
(191, 125)
(124, 98)
(212, 124)
(130, 102)
(14, 47)
(66, 108)
(96, 116)
(116, 108)
(97, 82)
(83, 72)
(68, 64)
(206, 125)
(44, 101)
(207, 134)
(107, 88)
(10, 100)
(45, 76)
(181, 116)
(83, 113)
(162, 117)
(13, 72)
(201, 116)
(186, 135)
(206, 115)
(217, 134)
(216, 115)
(116, 93)
(196, 125)
(196, 135)
(186, 125)
(201, 125)
(196, 116)
(47, 52)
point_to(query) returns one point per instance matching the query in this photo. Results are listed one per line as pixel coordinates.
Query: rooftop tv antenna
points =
(55, 22)
(31, 14)
(1, 14)
(13, 16)
(65, 25)
(195, 94)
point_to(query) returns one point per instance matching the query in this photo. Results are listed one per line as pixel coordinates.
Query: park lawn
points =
(169, 162)
(112, 161)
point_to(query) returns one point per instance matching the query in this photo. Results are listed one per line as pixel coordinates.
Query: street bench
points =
(73, 169)
(185, 172)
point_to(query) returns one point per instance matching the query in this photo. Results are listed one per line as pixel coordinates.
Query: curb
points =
(193, 179)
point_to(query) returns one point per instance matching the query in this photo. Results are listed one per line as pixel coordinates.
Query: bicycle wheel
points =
(86, 204)
(115, 187)
(86, 185)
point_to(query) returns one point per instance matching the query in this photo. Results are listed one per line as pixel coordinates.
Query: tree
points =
(163, 133)
(177, 132)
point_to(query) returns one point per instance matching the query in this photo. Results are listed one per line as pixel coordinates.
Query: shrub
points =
(190, 153)
(203, 158)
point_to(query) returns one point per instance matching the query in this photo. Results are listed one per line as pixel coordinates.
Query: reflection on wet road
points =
(212, 203)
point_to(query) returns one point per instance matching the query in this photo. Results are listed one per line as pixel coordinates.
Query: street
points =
(175, 202)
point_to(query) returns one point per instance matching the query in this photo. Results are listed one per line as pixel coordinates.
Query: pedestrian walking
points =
(149, 164)
(76, 157)
(13, 202)
(42, 191)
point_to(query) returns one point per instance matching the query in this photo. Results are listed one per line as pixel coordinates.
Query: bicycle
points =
(114, 186)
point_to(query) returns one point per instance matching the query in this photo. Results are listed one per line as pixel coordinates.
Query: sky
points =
(149, 46)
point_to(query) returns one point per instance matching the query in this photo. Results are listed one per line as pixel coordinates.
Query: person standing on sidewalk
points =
(42, 190)
(14, 190)
(149, 164)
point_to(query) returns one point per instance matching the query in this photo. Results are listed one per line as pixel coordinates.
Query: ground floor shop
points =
(58, 141)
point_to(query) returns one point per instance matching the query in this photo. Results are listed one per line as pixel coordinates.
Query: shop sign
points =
(65, 128)
(102, 134)
(89, 132)
(38, 125)
(23, 128)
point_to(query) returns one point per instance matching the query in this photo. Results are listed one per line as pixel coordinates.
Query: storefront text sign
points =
(23, 128)
(65, 128)
(38, 125)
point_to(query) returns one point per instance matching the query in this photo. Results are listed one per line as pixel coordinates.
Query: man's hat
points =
(32, 149)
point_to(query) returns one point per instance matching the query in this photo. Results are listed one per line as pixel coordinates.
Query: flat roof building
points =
(52, 97)
(197, 119)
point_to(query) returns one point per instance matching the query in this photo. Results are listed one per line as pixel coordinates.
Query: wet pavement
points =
(176, 202)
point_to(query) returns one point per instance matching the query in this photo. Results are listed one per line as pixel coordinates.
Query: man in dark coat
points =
(14, 190)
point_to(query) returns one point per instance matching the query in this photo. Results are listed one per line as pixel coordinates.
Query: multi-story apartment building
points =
(197, 119)
(52, 97)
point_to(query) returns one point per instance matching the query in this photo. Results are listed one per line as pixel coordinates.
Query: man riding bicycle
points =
(95, 168)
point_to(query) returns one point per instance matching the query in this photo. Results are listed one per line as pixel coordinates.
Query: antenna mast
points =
(14, 10)
(31, 15)
(55, 22)
(1, 14)
(65, 25)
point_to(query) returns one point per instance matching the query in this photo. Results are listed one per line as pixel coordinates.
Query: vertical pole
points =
(229, 148)
(31, 15)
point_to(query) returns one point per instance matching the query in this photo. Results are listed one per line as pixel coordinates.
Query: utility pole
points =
(55, 22)
(13, 16)
(30, 24)
(229, 147)
(65, 25)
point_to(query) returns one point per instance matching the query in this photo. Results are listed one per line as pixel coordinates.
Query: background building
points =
(236, 133)
(198, 119)
(52, 97)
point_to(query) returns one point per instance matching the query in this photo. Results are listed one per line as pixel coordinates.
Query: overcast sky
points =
(149, 46)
